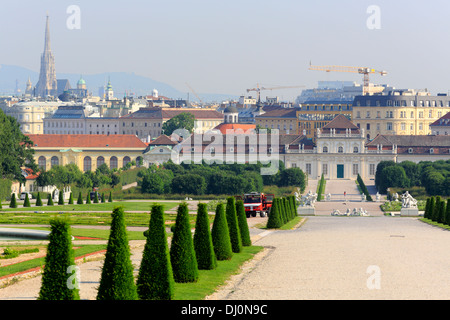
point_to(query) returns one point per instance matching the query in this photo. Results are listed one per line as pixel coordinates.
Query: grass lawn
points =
(209, 280)
(96, 207)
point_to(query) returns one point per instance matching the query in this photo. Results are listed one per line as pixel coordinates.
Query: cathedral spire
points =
(47, 36)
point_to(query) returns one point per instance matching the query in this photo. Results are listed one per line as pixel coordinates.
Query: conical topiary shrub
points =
(13, 203)
(71, 198)
(274, 220)
(182, 253)
(203, 245)
(243, 226)
(117, 280)
(430, 213)
(437, 203)
(26, 202)
(155, 279)
(447, 213)
(80, 198)
(440, 217)
(221, 235)
(61, 198)
(233, 227)
(49, 200)
(110, 199)
(427, 209)
(96, 200)
(88, 198)
(103, 198)
(58, 279)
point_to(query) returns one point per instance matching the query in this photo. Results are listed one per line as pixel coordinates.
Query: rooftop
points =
(86, 141)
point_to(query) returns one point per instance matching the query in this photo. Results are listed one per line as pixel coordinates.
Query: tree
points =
(292, 177)
(233, 227)
(436, 208)
(184, 120)
(243, 225)
(155, 279)
(447, 213)
(71, 198)
(110, 199)
(103, 198)
(38, 200)
(17, 151)
(61, 198)
(391, 177)
(49, 200)
(440, 217)
(274, 221)
(80, 198)
(152, 183)
(12, 202)
(203, 245)
(117, 280)
(182, 253)
(431, 208)
(426, 214)
(58, 282)
(221, 235)
(26, 203)
(96, 197)
(378, 176)
(189, 184)
(88, 198)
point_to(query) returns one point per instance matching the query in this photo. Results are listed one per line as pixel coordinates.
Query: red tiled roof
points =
(162, 140)
(223, 127)
(86, 141)
(442, 121)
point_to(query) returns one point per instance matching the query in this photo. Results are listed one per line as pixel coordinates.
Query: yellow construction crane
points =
(361, 70)
(195, 93)
(258, 90)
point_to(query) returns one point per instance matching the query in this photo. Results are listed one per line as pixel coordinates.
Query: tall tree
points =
(155, 279)
(184, 120)
(233, 227)
(243, 225)
(117, 280)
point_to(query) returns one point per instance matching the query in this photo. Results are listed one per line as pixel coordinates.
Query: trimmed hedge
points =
(60, 256)
(117, 279)
(155, 279)
(221, 235)
(243, 225)
(233, 227)
(203, 245)
(182, 253)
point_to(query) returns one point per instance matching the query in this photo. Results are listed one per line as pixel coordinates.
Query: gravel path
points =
(351, 258)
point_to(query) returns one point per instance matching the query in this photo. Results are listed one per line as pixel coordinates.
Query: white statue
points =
(378, 197)
(329, 197)
(408, 201)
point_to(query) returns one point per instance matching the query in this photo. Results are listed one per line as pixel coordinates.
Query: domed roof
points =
(230, 109)
(81, 81)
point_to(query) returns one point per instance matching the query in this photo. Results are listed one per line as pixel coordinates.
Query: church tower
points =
(47, 84)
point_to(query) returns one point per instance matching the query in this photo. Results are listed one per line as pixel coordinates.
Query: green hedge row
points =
(363, 188)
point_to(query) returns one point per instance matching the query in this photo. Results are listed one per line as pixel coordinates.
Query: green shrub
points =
(221, 235)
(447, 213)
(103, 198)
(96, 197)
(203, 245)
(26, 203)
(71, 198)
(274, 221)
(49, 200)
(117, 280)
(243, 225)
(155, 279)
(13, 203)
(60, 257)
(233, 227)
(88, 198)
(182, 253)
(61, 198)
(110, 199)
(426, 214)
(80, 198)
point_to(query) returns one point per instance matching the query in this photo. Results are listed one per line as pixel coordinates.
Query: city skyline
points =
(227, 48)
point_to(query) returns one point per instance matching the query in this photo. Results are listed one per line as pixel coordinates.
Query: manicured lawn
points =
(95, 207)
(209, 280)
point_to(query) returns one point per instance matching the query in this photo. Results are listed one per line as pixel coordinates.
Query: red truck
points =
(256, 202)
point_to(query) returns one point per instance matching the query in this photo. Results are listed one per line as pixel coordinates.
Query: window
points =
(372, 169)
(403, 126)
(126, 160)
(113, 163)
(355, 169)
(325, 168)
(42, 162)
(389, 126)
(368, 126)
(54, 161)
(325, 150)
(340, 149)
(308, 168)
(87, 164)
(355, 149)
(100, 161)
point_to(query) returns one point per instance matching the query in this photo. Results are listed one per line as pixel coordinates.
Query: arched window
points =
(42, 162)
(113, 163)
(355, 150)
(100, 161)
(87, 164)
(54, 161)
(126, 160)
(325, 149)
(340, 149)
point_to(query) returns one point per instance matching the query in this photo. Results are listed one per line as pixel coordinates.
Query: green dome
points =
(81, 81)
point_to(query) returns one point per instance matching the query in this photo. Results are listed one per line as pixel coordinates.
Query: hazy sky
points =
(229, 46)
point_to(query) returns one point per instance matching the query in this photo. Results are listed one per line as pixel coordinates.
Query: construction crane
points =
(361, 70)
(258, 90)
(195, 93)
